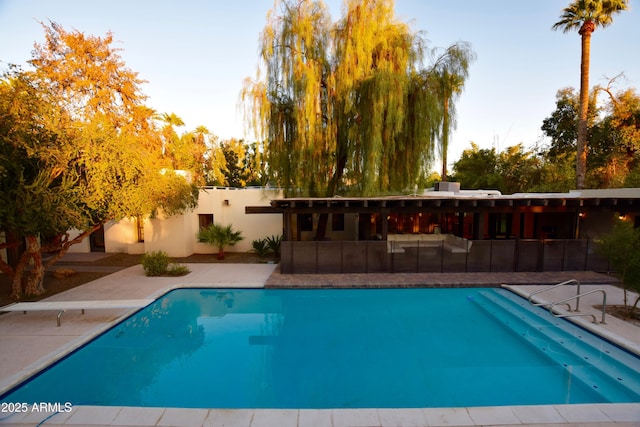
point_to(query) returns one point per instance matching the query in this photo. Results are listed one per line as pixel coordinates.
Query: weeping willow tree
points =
(385, 112)
(345, 107)
(290, 109)
(449, 73)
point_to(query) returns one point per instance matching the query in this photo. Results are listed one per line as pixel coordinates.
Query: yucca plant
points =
(220, 237)
(261, 247)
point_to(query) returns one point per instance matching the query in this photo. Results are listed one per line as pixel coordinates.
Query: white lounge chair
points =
(62, 306)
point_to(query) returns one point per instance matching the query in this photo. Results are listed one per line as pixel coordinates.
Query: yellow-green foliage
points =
(622, 247)
(158, 263)
(78, 148)
(344, 107)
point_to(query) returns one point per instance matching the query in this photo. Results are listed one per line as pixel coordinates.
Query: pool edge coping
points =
(613, 414)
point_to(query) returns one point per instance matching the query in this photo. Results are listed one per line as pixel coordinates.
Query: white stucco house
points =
(177, 235)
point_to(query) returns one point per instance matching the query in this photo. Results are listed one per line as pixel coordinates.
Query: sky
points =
(195, 54)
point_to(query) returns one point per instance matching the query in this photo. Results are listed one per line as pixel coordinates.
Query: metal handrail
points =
(595, 320)
(567, 282)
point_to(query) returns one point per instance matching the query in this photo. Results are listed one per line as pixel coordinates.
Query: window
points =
(140, 228)
(204, 221)
(500, 225)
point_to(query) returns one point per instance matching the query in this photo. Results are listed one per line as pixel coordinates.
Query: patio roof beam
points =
(262, 210)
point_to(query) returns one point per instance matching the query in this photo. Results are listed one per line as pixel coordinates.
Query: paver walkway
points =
(433, 279)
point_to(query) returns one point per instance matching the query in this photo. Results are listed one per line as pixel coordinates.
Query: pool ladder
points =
(575, 312)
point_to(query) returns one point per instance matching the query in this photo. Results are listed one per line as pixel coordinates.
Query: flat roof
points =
(627, 199)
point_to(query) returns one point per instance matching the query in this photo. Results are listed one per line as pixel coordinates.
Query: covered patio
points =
(450, 231)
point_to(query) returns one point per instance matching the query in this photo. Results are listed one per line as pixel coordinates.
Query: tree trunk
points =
(16, 283)
(34, 281)
(581, 146)
(34, 285)
(14, 247)
(323, 219)
(321, 230)
(445, 139)
(29, 282)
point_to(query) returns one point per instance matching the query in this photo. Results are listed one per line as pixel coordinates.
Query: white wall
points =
(173, 235)
(252, 226)
(81, 247)
(177, 235)
(120, 236)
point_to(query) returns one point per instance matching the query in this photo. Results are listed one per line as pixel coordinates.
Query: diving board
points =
(62, 306)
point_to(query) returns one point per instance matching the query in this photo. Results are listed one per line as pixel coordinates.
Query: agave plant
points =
(220, 237)
(273, 243)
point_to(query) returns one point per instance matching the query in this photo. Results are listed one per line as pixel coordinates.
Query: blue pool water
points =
(339, 349)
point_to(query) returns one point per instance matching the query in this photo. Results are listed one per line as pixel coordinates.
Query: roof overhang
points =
(345, 204)
(627, 200)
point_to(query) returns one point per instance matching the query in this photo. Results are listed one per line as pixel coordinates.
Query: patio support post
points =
(385, 224)
(286, 225)
(478, 225)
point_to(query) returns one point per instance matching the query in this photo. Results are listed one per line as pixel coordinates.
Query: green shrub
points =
(220, 237)
(159, 264)
(622, 248)
(267, 246)
(273, 243)
(178, 270)
(155, 263)
(261, 247)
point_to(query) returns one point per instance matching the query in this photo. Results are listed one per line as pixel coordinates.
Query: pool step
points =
(604, 367)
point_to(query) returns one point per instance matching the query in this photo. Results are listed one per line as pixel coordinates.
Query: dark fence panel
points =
(354, 257)
(503, 255)
(439, 256)
(453, 262)
(286, 256)
(528, 255)
(596, 260)
(404, 257)
(430, 257)
(329, 257)
(479, 258)
(575, 255)
(553, 255)
(377, 257)
(305, 258)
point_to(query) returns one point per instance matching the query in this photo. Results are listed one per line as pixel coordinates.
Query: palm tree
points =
(450, 72)
(220, 236)
(168, 131)
(586, 16)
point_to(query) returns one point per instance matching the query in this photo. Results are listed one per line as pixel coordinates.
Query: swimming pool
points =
(356, 348)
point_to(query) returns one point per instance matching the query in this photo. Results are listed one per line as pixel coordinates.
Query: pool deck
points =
(30, 342)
